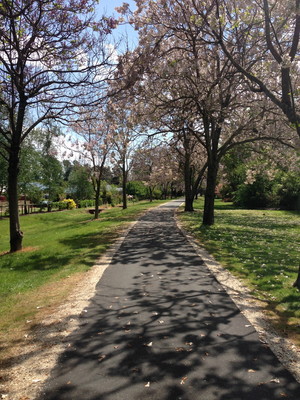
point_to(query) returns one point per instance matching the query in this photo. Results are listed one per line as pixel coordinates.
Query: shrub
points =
(137, 189)
(111, 194)
(66, 204)
(157, 194)
(85, 203)
(258, 194)
(289, 192)
(283, 191)
(70, 203)
(60, 205)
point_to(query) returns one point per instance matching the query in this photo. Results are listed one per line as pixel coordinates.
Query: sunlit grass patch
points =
(261, 247)
(56, 245)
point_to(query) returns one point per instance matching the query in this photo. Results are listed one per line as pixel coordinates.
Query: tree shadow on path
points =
(161, 327)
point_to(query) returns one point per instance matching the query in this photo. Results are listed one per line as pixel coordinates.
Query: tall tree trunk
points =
(297, 282)
(16, 236)
(25, 205)
(165, 192)
(209, 202)
(97, 197)
(150, 194)
(189, 195)
(124, 184)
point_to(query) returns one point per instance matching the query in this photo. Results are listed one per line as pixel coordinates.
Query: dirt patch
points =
(24, 250)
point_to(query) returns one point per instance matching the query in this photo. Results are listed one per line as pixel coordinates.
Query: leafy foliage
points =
(79, 183)
(137, 189)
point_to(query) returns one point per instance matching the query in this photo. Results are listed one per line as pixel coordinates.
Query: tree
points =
(94, 145)
(192, 159)
(3, 176)
(233, 169)
(48, 51)
(156, 165)
(261, 40)
(192, 78)
(143, 166)
(262, 175)
(30, 174)
(165, 171)
(79, 184)
(52, 177)
(123, 141)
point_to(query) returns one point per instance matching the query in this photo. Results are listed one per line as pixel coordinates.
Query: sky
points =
(107, 7)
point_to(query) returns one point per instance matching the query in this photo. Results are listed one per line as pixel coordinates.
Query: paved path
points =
(161, 327)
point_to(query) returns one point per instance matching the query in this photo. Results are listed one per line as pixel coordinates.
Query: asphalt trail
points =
(161, 327)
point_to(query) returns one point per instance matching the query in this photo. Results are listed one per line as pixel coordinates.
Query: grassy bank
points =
(57, 249)
(262, 248)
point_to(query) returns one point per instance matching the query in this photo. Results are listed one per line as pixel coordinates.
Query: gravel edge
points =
(253, 309)
(38, 353)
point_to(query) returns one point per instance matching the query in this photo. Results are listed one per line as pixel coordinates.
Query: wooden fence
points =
(23, 209)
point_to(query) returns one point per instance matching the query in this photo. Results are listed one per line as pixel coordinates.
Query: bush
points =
(70, 203)
(289, 192)
(111, 194)
(259, 194)
(281, 192)
(137, 189)
(66, 204)
(85, 203)
(59, 205)
(157, 194)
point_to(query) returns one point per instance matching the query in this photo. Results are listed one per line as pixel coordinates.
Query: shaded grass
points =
(56, 246)
(259, 246)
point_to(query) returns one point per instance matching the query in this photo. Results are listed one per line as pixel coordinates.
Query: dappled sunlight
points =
(161, 327)
(261, 246)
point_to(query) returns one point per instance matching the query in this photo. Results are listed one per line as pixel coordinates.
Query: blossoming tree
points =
(49, 50)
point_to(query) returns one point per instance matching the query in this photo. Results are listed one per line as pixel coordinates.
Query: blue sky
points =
(107, 7)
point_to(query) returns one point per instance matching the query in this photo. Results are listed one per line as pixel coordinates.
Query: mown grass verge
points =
(262, 248)
(58, 248)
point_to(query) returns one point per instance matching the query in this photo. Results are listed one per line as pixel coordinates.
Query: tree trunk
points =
(165, 192)
(124, 184)
(189, 195)
(25, 205)
(297, 282)
(150, 195)
(209, 202)
(97, 198)
(16, 236)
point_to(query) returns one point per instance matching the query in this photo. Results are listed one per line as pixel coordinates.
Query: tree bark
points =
(124, 184)
(189, 195)
(16, 235)
(97, 197)
(25, 205)
(150, 194)
(209, 202)
(297, 282)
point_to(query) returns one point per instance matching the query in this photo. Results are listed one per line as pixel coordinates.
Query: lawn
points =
(262, 248)
(58, 248)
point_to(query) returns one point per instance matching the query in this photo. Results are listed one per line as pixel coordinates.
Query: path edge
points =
(50, 340)
(253, 309)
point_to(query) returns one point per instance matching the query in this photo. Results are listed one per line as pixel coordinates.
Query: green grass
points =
(55, 246)
(259, 246)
